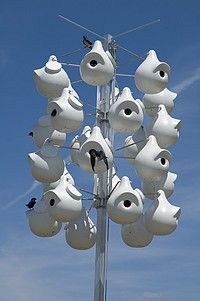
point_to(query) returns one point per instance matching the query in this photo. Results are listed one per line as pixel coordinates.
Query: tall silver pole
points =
(103, 184)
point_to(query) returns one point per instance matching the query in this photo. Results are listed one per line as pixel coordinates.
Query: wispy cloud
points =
(187, 82)
(152, 295)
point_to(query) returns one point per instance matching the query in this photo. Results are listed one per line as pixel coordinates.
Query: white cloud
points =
(152, 295)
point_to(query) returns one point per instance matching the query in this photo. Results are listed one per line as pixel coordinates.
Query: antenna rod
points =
(136, 28)
(80, 26)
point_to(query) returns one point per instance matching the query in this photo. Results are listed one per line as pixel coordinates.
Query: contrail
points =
(21, 196)
(34, 185)
(188, 81)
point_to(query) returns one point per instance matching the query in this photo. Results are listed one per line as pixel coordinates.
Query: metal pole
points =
(103, 185)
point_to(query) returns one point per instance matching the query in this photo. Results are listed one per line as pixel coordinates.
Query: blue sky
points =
(32, 268)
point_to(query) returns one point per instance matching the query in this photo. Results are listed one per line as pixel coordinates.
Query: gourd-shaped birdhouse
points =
(81, 233)
(66, 178)
(64, 202)
(133, 144)
(66, 112)
(95, 154)
(40, 222)
(152, 101)
(46, 165)
(97, 67)
(162, 217)
(152, 162)
(44, 130)
(152, 75)
(125, 204)
(165, 128)
(77, 142)
(125, 114)
(51, 79)
(135, 235)
(150, 189)
(49, 186)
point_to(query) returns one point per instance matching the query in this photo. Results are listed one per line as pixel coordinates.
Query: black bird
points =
(93, 156)
(87, 42)
(100, 155)
(30, 134)
(32, 203)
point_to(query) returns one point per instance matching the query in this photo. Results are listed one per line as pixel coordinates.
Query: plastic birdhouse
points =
(49, 186)
(95, 155)
(44, 130)
(66, 112)
(66, 178)
(133, 144)
(64, 202)
(152, 162)
(81, 233)
(40, 222)
(166, 184)
(152, 101)
(46, 165)
(152, 75)
(97, 67)
(135, 235)
(125, 204)
(165, 128)
(125, 114)
(162, 217)
(77, 142)
(51, 79)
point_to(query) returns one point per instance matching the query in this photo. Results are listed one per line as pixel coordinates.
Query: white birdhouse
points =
(164, 128)
(40, 222)
(152, 101)
(136, 235)
(51, 79)
(95, 154)
(97, 67)
(162, 217)
(66, 112)
(46, 165)
(64, 202)
(81, 233)
(44, 130)
(49, 186)
(133, 144)
(66, 178)
(152, 162)
(125, 114)
(125, 204)
(152, 75)
(166, 184)
(77, 142)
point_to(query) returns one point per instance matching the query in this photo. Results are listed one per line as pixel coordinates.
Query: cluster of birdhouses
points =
(61, 201)
(146, 150)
